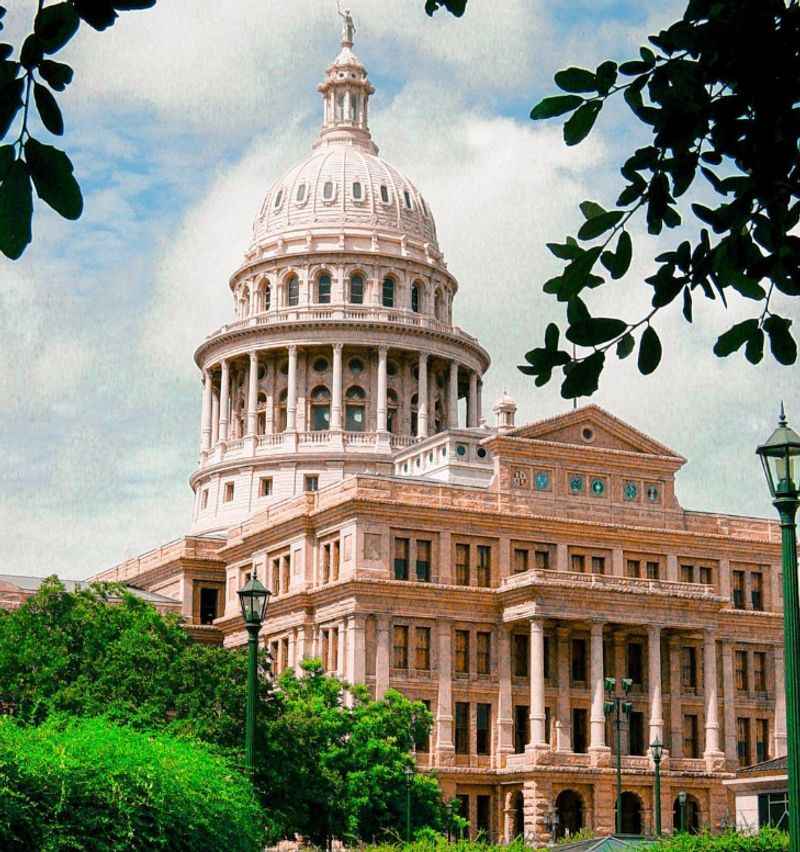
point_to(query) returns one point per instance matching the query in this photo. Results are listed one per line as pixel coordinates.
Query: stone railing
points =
(318, 437)
(402, 441)
(687, 764)
(235, 444)
(359, 439)
(271, 440)
(189, 547)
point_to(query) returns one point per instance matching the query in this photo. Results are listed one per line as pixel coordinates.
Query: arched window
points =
(569, 807)
(388, 292)
(356, 290)
(407, 198)
(358, 192)
(300, 197)
(292, 292)
(631, 808)
(355, 409)
(384, 193)
(415, 300)
(354, 100)
(392, 406)
(284, 395)
(261, 414)
(320, 409)
(415, 415)
(244, 309)
(691, 815)
(266, 296)
(438, 305)
(278, 198)
(327, 190)
(324, 289)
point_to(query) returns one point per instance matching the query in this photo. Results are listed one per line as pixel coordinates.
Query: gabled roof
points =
(30, 585)
(608, 432)
(776, 764)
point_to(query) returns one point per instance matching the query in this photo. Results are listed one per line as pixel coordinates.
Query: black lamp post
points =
(618, 706)
(656, 750)
(682, 811)
(780, 456)
(409, 777)
(253, 598)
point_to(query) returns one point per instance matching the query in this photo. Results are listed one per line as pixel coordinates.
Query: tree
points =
(717, 90)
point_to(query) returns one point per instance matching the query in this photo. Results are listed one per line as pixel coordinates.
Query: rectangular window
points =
(208, 605)
(275, 586)
(400, 647)
(759, 671)
(687, 573)
(422, 659)
(401, 547)
(737, 589)
(743, 741)
(520, 560)
(484, 644)
(542, 560)
(462, 727)
(423, 561)
(312, 483)
(705, 575)
(265, 486)
(598, 565)
(483, 811)
(484, 565)
(482, 727)
(324, 289)
(741, 671)
(521, 727)
(388, 293)
(462, 564)
(521, 648)
(691, 744)
(579, 660)
(652, 570)
(636, 741)
(579, 730)
(762, 740)
(462, 651)
(635, 662)
(204, 499)
(773, 809)
(227, 494)
(757, 590)
(688, 668)
(357, 290)
(578, 563)
(633, 568)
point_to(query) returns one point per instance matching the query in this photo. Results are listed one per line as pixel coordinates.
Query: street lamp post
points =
(253, 598)
(409, 776)
(682, 811)
(780, 457)
(656, 749)
(617, 706)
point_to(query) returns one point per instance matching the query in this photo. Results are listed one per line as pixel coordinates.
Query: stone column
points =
(536, 671)
(472, 413)
(779, 727)
(252, 394)
(291, 392)
(382, 656)
(452, 397)
(729, 697)
(336, 390)
(382, 388)
(675, 704)
(340, 660)
(205, 423)
(224, 400)
(269, 414)
(445, 748)
(479, 401)
(355, 671)
(710, 692)
(654, 683)
(214, 416)
(422, 396)
(597, 739)
(564, 716)
(505, 718)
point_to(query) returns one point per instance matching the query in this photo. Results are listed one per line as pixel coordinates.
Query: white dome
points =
(339, 184)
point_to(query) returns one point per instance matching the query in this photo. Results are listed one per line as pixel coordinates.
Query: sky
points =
(180, 118)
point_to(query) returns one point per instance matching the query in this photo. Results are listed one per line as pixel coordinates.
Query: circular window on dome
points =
(320, 365)
(358, 191)
(328, 190)
(356, 366)
(461, 450)
(587, 434)
(481, 453)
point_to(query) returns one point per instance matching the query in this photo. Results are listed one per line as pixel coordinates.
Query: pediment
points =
(592, 426)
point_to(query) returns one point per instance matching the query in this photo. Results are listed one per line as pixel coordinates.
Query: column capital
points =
(253, 357)
(292, 348)
(337, 347)
(654, 629)
(383, 351)
(423, 356)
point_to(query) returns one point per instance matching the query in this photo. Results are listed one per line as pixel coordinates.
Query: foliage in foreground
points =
(766, 840)
(90, 785)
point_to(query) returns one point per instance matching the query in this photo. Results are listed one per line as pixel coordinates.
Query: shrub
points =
(89, 785)
(766, 840)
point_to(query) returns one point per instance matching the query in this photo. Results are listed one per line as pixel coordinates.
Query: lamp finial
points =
(782, 419)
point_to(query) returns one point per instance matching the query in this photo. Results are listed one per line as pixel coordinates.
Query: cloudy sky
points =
(178, 120)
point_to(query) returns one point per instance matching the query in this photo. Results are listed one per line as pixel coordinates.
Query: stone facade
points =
(499, 574)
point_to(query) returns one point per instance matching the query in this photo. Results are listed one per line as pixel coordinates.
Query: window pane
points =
(357, 290)
(324, 289)
(388, 293)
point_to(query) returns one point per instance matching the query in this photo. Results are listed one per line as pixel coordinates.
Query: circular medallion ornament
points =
(576, 484)
(542, 480)
(630, 490)
(652, 493)
(598, 487)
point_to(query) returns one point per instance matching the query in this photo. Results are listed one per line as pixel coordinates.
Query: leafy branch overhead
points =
(30, 81)
(717, 91)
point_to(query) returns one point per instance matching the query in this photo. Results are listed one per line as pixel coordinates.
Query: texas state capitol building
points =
(498, 573)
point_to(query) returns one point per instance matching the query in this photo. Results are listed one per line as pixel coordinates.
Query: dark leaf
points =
(598, 225)
(55, 184)
(5, 51)
(595, 331)
(735, 337)
(576, 80)
(551, 335)
(583, 376)
(48, 109)
(99, 14)
(649, 351)
(606, 75)
(630, 69)
(647, 56)
(590, 209)
(557, 105)
(687, 304)
(6, 159)
(56, 74)
(565, 251)
(55, 25)
(576, 275)
(32, 51)
(577, 310)
(553, 285)
(618, 263)
(781, 342)
(625, 345)
(8, 71)
(16, 210)
(10, 103)
(754, 350)
(714, 158)
(580, 123)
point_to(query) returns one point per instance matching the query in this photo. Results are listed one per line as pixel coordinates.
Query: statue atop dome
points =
(348, 27)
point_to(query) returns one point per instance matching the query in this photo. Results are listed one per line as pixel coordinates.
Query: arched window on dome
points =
(300, 196)
(263, 296)
(320, 409)
(355, 409)
(261, 414)
(356, 290)
(244, 303)
(324, 289)
(292, 292)
(407, 199)
(327, 190)
(388, 292)
(358, 191)
(278, 198)
(416, 296)
(384, 193)
(415, 414)
(282, 399)
(392, 408)
(438, 305)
